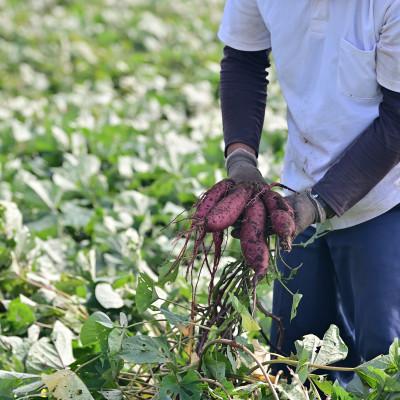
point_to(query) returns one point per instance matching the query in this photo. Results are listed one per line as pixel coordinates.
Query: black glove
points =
(241, 166)
(308, 208)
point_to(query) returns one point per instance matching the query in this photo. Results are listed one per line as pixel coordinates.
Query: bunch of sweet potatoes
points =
(262, 211)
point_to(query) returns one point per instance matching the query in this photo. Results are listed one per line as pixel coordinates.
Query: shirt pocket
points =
(357, 72)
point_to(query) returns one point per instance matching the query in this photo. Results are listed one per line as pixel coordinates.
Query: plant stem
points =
(277, 320)
(88, 362)
(138, 381)
(146, 321)
(281, 282)
(277, 377)
(174, 303)
(294, 363)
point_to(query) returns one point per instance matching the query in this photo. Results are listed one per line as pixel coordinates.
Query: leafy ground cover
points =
(110, 128)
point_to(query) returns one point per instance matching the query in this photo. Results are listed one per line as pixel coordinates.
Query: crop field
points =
(110, 129)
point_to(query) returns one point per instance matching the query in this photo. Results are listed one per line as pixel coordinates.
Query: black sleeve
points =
(366, 161)
(243, 92)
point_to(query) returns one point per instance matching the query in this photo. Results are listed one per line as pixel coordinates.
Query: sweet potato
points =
(210, 199)
(284, 226)
(228, 210)
(196, 231)
(274, 201)
(281, 217)
(254, 248)
(218, 238)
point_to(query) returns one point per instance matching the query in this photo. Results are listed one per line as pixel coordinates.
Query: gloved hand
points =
(308, 209)
(241, 166)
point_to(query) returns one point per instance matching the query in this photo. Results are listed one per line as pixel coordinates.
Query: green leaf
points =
(175, 319)
(332, 348)
(356, 387)
(16, 375)
(312, 350)
(7, 387)
(249, 323)
(28, 388)
(244, 357)
(20, 316)
(295, 304)
(215, 368)
(306, 350)
(231, 359)
(41, 188)
(302, 371)
(366, 370)
(115, 339)
(17, 346)
(66, 385)
(107, 296)
(338, 393)
(373, 377)
(186, 388)
(113, 394)
(166, 274)
(394, 354)
(145, 293)
(141, 349)
(291, 392)
(392, 384)
(14, 383)
(10, 219)
(75, 216)
(62, 338)
(380, 362)
(96, 329)
(5, 257)
(43, 355)
(123, 319)
(324, 385)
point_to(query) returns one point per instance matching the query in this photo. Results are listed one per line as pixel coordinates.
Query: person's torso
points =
(325, 57)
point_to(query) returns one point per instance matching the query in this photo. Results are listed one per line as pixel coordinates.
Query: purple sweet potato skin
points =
(274, 201)
(218, 239)
(252, 239)
(211, 198)
(228, 210)
(284, 226)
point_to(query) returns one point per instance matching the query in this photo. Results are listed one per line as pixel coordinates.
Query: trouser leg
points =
(315, 281)
(366, 259)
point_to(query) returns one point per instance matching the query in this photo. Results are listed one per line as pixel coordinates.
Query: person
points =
(338, 66)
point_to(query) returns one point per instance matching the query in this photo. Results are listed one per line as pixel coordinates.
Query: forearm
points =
(367, 160)
(243, 86)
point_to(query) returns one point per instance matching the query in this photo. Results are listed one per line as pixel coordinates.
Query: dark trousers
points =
(350, 278)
